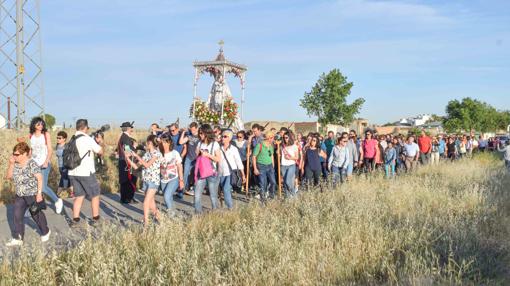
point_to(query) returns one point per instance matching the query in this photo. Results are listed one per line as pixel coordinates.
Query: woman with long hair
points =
(290, 155)
(151, 177)
(40, 142)
(171, 171)
(311, 166)
(206, 167)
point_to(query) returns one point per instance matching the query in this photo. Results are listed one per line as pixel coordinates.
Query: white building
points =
(415, 121)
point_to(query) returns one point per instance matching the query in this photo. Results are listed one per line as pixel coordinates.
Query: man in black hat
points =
(127, 180)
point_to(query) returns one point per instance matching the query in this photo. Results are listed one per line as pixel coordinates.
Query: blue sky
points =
(119, 60)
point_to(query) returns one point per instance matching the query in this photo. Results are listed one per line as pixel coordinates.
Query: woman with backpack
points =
(171, 171)
(231, 169)
(40, 142)
(151, 177)
(209, 155)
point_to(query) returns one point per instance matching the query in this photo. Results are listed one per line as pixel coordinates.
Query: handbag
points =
(236, 178)
(36, 207)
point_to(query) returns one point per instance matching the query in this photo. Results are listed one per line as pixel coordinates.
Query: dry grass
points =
(443, 225)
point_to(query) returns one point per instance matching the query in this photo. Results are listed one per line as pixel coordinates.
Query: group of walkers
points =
(205, 159)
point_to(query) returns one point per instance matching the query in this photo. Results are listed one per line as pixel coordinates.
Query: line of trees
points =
(328, 102)
(474, 115)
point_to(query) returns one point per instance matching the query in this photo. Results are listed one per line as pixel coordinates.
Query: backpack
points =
(71, 156)
(204, 168)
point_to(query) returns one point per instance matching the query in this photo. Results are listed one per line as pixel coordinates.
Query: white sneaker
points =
(297, 189)
(46, 237)
(59, 205)
(14, 242)
(27, 214)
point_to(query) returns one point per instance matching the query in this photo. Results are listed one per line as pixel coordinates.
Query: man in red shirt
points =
(425, 144)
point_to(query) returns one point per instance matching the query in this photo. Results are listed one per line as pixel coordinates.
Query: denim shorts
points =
(149, 186)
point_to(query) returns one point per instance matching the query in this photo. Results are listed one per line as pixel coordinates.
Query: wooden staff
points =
(279, 171)
(248, 155)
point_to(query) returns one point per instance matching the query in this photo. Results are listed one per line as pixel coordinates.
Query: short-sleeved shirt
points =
(263, 153)
(369, 148)
(24, 178)
(292, 151)
(424, 142)
(85, 144)
(411, 149)
(152, 173)
(168, 167)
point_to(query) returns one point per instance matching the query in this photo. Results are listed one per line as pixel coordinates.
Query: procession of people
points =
(204, 159)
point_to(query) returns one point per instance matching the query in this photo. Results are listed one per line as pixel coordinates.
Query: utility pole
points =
(21, 72)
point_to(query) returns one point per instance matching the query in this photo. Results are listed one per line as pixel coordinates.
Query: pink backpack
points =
(204, 168)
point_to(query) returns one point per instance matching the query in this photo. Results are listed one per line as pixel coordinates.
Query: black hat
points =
(127, 124)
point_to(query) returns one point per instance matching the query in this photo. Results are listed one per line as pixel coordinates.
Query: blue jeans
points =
(212, 185)
(64, 178)
(227, 191)
(49, 192)
(289, 175)
(338, 174)
(266, 176)
(389, 169)
(169, 189)
(188, 165)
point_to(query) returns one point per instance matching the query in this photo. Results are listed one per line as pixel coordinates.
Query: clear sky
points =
(123, 60)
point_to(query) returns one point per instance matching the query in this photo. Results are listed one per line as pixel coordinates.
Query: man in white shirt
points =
(83, 178)
(412, 152)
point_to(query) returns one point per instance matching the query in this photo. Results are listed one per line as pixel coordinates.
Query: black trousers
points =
(313, 175)
(21, 204)
(127, 183)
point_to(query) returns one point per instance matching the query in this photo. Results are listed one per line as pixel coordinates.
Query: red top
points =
(369, 148)
(425, 144)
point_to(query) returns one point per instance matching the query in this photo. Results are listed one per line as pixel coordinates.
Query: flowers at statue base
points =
(203, 114)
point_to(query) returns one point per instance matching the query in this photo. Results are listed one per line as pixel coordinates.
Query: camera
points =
(100, 131)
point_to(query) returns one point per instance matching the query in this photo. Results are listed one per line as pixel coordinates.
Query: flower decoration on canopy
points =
(203, 114)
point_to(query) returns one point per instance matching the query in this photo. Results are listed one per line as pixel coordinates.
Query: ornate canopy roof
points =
(220, 65)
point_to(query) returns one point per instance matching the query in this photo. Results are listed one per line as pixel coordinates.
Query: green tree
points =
(471, 114)
(50, 120)
(327, 100)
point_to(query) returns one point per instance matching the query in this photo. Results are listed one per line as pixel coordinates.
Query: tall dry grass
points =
(442, 225)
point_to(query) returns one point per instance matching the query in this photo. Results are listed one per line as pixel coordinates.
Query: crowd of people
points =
(204, 159)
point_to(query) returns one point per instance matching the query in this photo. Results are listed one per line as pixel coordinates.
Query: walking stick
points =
(279, 171)
(247, 169)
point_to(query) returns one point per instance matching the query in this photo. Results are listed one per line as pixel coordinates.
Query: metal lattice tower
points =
(21, 80)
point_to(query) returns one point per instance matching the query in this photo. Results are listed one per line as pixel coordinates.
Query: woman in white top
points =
(40, 143)
(231, 160)
(290, 155)
(171, 171)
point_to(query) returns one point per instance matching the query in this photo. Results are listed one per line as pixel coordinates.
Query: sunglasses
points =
(16, 154)
(58, 138)
(173, 130)
(225, 136)
(344, 141)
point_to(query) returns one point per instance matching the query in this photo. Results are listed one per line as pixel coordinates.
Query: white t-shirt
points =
(234, 159)
(169, 170)
(212, 148)
(39, 149)
(292, 151)
(84, 145)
